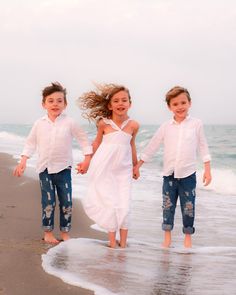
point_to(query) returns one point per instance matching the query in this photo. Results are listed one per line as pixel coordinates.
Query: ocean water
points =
(144, 267)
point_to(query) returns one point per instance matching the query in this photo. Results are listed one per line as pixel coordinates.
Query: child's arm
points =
(149, 150)
(133, 147)
(20, 168)
(28, 151)
(100, 131)
(83, 166)
(81, 136)
(207, 173)
(205, 155)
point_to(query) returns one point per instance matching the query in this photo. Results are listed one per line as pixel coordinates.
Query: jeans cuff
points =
(167, 227)
(188, 230)
(47, 228)
(65, 229)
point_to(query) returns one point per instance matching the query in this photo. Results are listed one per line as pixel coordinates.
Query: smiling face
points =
(179, 106)
(120, 103)
(54, 104)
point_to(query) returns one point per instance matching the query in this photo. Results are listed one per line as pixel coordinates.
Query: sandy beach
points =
(21, 244)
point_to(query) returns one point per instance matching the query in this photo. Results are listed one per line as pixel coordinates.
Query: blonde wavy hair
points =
(95, 103)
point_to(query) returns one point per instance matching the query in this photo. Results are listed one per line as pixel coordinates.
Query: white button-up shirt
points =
(182, 142)
(53, 142)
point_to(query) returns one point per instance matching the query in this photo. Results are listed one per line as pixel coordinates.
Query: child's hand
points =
(19, 170)
(81, 168)
(206, 178)
(136, 173)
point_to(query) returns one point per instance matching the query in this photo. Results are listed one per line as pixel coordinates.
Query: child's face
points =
(120, 103)
(179, 106)
(54, 104)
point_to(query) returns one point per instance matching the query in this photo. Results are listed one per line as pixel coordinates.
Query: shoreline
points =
(21, 244)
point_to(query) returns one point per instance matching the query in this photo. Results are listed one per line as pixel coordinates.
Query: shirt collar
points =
(172, 121)
(60, 117)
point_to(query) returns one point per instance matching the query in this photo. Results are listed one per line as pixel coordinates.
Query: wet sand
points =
(21, 244)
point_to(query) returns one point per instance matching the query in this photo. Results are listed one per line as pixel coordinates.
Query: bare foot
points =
(165, 245)
(113, 246)
(122, 245)
(65, 236)
(188, 241)
(167, 239)
(49, 238)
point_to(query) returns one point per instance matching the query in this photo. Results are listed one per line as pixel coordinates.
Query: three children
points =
(114, 158)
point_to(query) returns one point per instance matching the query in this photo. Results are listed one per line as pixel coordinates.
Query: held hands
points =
(82, 167)
(136, 173)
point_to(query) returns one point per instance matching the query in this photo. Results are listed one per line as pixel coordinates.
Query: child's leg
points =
(187, 187)
(112, 239)
(188, 241)
(123, 237)
(170, 197)
(48, 202)
(167, 239)
(64, 192)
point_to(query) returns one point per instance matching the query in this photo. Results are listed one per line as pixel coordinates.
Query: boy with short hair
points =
(52, 137)
(183, 137)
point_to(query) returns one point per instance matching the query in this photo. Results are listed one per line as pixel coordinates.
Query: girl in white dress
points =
(111, 169)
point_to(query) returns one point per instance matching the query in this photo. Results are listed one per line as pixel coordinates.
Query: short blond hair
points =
(175, 91)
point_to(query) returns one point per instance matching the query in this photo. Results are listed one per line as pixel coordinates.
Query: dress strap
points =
(113, 124)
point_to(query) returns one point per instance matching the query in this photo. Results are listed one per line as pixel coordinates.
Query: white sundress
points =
(110, 176)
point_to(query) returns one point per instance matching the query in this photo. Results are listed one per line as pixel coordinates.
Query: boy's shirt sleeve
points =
(202, 145)
(80, 135)
(153, 145)
(31, 142)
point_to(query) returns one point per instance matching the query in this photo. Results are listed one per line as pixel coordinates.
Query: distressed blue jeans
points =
(52, 185)
(184, 188)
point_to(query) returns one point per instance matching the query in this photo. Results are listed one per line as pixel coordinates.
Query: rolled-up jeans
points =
(52, 185)
(184, 188)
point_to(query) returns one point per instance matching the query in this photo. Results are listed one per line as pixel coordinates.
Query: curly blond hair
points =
(95, 103)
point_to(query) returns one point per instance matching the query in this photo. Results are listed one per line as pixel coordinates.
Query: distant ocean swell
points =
(221, 141)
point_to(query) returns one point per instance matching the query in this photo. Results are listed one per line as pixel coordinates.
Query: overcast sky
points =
(149, 46)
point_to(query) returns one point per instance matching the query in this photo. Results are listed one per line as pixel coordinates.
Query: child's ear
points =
(109, 107)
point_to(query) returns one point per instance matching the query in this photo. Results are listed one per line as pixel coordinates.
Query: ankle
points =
(65, 236)
(188, 241)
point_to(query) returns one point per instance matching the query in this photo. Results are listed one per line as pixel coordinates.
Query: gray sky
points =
(149, 46)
